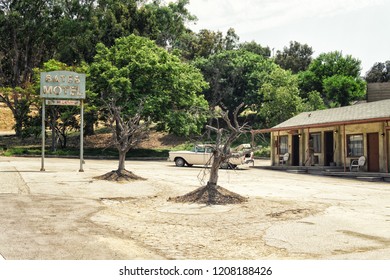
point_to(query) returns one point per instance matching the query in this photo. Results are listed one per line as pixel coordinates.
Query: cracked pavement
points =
(64, 214)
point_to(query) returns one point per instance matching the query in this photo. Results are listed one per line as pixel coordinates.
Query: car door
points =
(207, 159)
(197, 157)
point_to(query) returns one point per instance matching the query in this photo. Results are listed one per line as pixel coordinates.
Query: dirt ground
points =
(65, 214)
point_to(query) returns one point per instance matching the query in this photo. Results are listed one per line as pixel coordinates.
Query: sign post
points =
(43, 136)
(81, 136)
(63, 88)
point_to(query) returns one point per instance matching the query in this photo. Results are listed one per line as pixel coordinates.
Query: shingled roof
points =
(359, 113)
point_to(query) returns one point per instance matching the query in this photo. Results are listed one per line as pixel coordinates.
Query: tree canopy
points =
(280, 94)
(379, 73)
(234, 77)
(335, 77)
(26, 38)
(136, 70)
(33, 32)
(296, 57)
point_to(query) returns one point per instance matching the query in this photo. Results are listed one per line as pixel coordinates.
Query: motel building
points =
(351, 138)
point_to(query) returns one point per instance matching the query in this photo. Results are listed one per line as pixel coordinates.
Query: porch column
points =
(278, 149)
(345, 148)
(302, 147)
(307, 147)
(386, 151)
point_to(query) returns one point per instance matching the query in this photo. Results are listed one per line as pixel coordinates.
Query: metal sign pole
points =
(82, 136)
(43, 135)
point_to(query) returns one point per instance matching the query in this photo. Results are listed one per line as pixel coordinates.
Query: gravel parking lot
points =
(64, 214)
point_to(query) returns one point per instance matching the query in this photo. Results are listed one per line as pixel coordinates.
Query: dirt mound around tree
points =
(210, 195)
(119, 176)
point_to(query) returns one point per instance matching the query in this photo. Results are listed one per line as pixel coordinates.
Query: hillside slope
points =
(157, 140)
(6, 118)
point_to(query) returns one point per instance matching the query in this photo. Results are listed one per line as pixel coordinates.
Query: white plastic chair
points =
(284, 158)
(357, 163)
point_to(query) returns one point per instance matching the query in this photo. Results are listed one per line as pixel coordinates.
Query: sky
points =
(355, 27)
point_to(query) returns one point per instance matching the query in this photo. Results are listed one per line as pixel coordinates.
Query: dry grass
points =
(6, 118)
(156, 140)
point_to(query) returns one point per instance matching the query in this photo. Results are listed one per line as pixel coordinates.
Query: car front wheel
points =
(179, 162)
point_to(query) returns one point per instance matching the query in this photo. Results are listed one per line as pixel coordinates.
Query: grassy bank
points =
(88, 152)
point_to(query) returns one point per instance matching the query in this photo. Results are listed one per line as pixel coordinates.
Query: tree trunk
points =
(18, 127)
(65, 139)
(18, 117)
(89, 129)
(53, 138)
(122, 159)
(90, 119)
(213, 179)
(214, 173)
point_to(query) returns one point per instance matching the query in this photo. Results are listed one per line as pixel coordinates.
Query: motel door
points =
(329, 147)
(373, 152)
(295, 150)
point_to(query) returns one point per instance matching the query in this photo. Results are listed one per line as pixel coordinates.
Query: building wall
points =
(340, 156)
(378, 91)
(366, 129)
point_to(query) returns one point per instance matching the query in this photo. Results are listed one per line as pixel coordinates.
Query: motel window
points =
(355, 145)
(283, 145)
(316, 142)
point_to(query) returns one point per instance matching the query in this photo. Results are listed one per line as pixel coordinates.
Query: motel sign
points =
(62, 85)
(62, 88)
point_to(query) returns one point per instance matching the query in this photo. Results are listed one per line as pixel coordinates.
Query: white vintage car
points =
(202, 155)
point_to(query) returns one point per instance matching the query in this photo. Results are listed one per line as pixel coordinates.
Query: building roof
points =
(359, 113)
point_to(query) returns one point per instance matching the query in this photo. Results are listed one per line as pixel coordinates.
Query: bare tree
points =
(127, 132)
(212, 193)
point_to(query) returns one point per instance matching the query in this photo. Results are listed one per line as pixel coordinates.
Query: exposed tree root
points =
(119, 176)
(210, 195)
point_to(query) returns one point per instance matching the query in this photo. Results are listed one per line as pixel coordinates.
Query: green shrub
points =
(263, 152)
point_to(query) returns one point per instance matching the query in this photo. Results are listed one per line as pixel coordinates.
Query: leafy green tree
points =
(231, 40)
(25, 38)
(113, 19)
(25, 42)
(206, 43)
(296, 57)
(136, 71)
(309, 82)
(255, 48)
(327, 65)
(281, 99)
(343, 89)
(313, 102)
(82, 24)
(335, 63)
(234, 77)
(379, 73)
(165, 24)
(77, 31)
